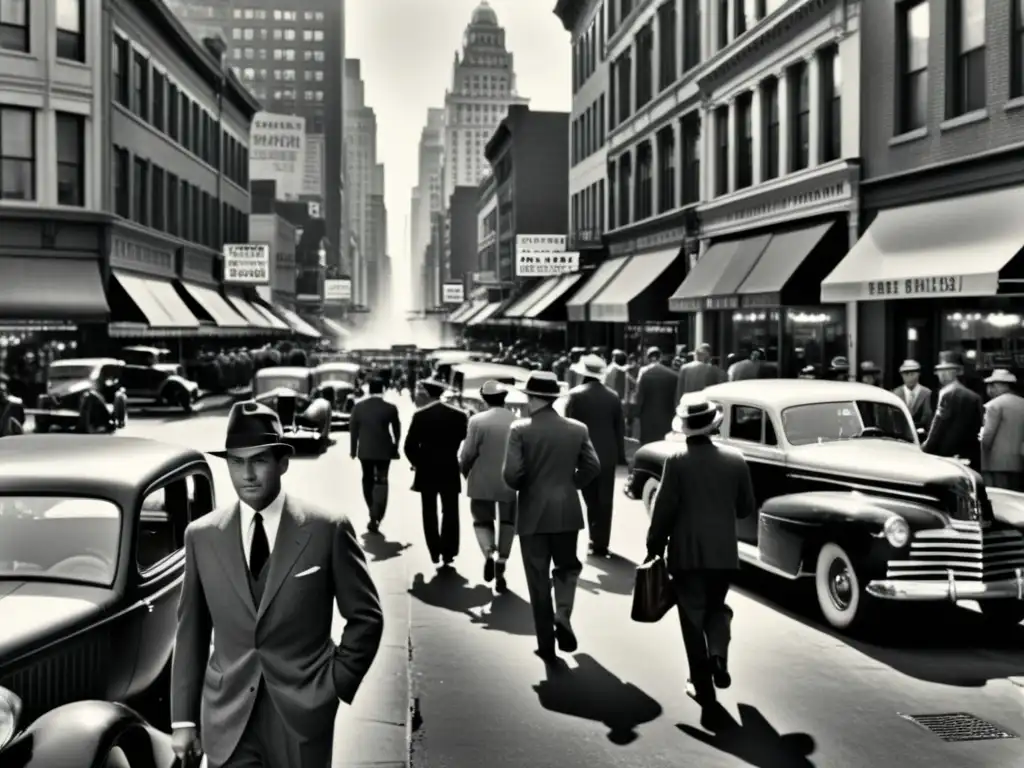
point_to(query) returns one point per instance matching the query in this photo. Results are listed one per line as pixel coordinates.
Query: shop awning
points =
(723, 294)
(275, 322)
(691, 294)
(335, 329)
(576, 307)
(464, 315)
(40, 288)
(215, 306)
(785, 253)
(249, 312)
(611, 305)
(563, 285)
(519, 307)
(943, 248)
(300, 326)
(459, 311)
(158, 301)
(485, 314)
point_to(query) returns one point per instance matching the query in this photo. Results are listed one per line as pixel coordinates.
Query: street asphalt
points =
(477, 697)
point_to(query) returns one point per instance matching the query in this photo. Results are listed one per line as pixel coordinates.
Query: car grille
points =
(970, 551)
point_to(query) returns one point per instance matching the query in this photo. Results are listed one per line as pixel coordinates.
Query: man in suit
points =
(375, 433)
(490, 500)
(698, 373)
(957, 422)
(549, 459)
(655, 398)
(1002, 433)
(748, 368)
(260, 577)
(704, 490)
(432, 447)
(599, 409)
(917, 397)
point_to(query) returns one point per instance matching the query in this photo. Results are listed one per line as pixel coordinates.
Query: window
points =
(14, 17)
(625, 172)
(122, 183)
(119, 56)
(165, 513)
(643, 182)
(691, 158)
(691, 34)
(70, 159)
(140, 190)
(70, 27)
(746, 423)
(159, 100)
(667, 65)
(723, 23)
(969, 77)
(722, 151)
(140, 85)
(831, 105)
(644, 65)
(624, 88)
(770, 110)
(800, 110)
(159, 220)
(173, 196)
(744, 141)
(1017, 51)
(17, 154)
(173, 117)
(915, 23)
(666, 170)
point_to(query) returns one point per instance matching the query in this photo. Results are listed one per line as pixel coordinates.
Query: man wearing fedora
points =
(599, 409)
(698, 373)
(655, 398)
(1002, 433)
(491, 502)
(958, 416)
(548, 460)
(260, 577)
(704, 491)
(375, 432)
(432, 447)
(870, 374)
(917, 397)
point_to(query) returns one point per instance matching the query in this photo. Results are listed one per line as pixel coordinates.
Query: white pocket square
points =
(307, 572)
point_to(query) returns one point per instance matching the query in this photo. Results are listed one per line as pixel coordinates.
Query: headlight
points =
(897, 532)
(10, 711)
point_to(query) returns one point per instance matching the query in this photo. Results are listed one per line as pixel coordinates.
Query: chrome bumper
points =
(338, 417)
(56, 413)
(950, 589)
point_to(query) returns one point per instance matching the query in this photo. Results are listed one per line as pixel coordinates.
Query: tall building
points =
(377, 247)
(483, 88)
(361, 160)
(430, 181)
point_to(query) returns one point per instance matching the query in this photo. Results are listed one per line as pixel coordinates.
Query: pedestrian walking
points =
(655, 398)
(747, 368)
(704, 490)
(491, 503)
(432, 447)
(375, 432)
(548, 460)
(599, 409)
(917, 397)
(254, 571)
(698, 373)
(958, 416)
(1002, 433)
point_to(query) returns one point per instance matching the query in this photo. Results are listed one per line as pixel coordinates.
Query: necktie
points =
(910, 395)
(259, 550)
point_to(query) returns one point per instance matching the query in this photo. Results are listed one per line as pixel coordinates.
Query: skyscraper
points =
(376, 253)
(431, 168)
(361, 160)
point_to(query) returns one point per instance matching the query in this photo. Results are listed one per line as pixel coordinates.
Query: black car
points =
(848, 500)
(151, 378)
(305, 415)
(339, 384)
(84, 395)
(91, 566)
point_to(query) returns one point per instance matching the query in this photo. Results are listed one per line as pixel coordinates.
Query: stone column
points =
(814, 100)
(677, 150)
(655, 55)
(757, 125)
(632, 184)
(632, 76)
(708, 156)
(785, 140)
(679, 40)
(656, 150)
(733, 133)
(709, 21)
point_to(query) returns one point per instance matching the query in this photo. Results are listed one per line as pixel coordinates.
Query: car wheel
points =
(649, 492)
(120, 412)
(1002, 614)
(92, 420)
(841, 596)
(185, 402)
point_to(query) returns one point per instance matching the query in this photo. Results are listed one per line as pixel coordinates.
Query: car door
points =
(750, 429)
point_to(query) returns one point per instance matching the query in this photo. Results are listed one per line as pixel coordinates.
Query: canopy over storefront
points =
(612, 304)
(41, 288)
(162, 311)
(576, 307)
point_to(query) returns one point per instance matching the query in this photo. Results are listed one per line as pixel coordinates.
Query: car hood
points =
(281, 392)
(62, 388)
(337, 384)
(884, 460)
(32, 612)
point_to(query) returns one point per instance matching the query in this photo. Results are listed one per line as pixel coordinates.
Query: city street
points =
(801, 696)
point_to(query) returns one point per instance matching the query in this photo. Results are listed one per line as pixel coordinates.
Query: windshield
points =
(59, 538)
(267, 383)
(826, 422)
(335, 374)
(71, 372)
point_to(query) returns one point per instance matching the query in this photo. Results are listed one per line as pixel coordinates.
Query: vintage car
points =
(150, 378)
(442, 360)
(85, 395)
(466, 379)
(12, 411)
(91, 565)
(847, 499)
(305, 415)
(338, 384)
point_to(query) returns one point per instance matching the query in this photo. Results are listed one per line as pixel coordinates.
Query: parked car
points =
(848, 499)
(151, 378)
(466, 379)
(305, 416)
(91, 565)
(85, 395)
(12, 411)
(338, 383)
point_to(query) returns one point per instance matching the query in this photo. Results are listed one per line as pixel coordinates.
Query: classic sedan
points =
(151, 378)
(91, 566)
(305, 415)
(338, 383)
(848, 500)
(85, 395)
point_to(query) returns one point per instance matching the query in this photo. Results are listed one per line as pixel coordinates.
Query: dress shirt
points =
(909, 394)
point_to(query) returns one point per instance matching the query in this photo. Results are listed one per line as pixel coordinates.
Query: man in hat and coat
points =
(958, 417)
(548, 460)
(491, 503)
(698, 373)
(870, 374)
(432, 447)
(917, 397)
(704, 490)
(655, 398)
(375, 432)
(255, 571)
(599, 409)
(1002, 433)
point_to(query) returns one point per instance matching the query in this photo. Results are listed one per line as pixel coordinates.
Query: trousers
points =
(540, 551)
(375, 487)
(599, 498)
(485, 515)
(442, 539)
(705, 619)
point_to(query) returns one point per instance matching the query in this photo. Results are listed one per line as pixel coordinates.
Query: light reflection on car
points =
(826, 422)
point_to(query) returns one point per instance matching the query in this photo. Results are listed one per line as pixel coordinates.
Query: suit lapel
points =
(292, 538)
(918, 394)
(234, 564)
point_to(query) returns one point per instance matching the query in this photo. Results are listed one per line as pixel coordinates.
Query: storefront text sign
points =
(540, 243)
(721, 302)
(915, 287)
(668, 326)
(685, 305)
(546, 264)
(453, 293)
(337, 290)
(758, 300)
(587, 238)
(247, 263)
(277, 151)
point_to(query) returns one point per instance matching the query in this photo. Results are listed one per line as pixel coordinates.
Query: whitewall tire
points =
(837, 586)
(649, 492)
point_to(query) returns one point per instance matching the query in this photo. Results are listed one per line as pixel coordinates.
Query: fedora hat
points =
(252, 428)
(541, 384)
(910, 366)
(707, 415)
(492, 388)
(869, 367)
(1001, 376)
(839, 363)
(591, 366)
(949, 361)
(433, 385)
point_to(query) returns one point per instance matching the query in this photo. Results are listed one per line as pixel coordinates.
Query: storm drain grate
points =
(960, 726)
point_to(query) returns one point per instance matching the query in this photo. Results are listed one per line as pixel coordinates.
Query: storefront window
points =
(986, 339)
(750, 330)
(813, 336)
(642, 336)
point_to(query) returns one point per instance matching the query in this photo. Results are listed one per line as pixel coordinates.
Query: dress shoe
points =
(720, 672)
(435, 558)
(373, 527)
(489, 569)
(566, 638)
(547, 654)
(704, 698)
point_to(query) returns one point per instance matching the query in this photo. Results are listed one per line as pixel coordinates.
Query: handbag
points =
(653, 595)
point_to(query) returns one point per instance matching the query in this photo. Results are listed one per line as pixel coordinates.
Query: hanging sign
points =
(453, 293)
(247, 264)
(337, 290)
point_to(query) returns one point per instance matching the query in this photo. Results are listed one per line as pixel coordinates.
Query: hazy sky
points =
(407, 48)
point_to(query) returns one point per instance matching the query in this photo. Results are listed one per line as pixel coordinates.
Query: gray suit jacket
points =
(483, 454)
(695, 375)
(548, 460)
(286, 640)
(1002, 434)
(920, 407)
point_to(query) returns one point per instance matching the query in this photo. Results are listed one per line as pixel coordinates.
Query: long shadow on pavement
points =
(616, 575)
(755, 741)
(592, 692)
(508, 613)
(449, 589)
(381, 549)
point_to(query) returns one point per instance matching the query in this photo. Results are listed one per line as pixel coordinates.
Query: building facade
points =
(378, 299)
(361, 162)
(280, 234)
(430, 183)
(460, 260)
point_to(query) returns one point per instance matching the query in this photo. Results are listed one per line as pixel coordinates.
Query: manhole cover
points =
(960, 726)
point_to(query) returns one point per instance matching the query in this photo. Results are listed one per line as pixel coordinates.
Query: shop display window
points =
(752, 329)
(985, 338)
(813, 336)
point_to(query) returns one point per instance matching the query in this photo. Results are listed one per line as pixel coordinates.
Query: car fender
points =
(81, 734)
(318, 412)
(173, 382)
(1007, 506)
(826, 508)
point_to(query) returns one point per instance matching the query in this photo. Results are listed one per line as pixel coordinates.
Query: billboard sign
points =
(247, 264)
(544, 255)
(277, 151)
(337, 290)
(453, 293)
(313, 166)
